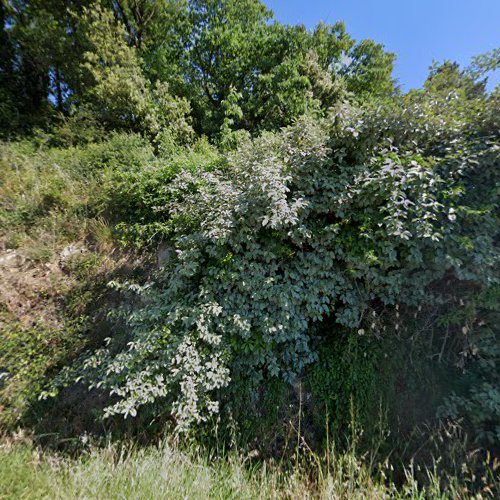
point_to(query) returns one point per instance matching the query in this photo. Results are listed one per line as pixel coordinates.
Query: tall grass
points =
(168, 472)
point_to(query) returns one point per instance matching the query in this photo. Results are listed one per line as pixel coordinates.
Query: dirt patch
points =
(31, 292)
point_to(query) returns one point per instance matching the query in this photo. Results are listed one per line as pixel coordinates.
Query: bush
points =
(137, 199)
(327, 219)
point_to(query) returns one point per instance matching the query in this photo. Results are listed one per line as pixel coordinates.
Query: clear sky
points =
(418, 31)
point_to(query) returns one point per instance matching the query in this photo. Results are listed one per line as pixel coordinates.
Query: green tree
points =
(203, 49)
(159, 31)
(224, 50)
(485, 63)
(117, 93)
(41, 48)
(447, 77)
(8, 77)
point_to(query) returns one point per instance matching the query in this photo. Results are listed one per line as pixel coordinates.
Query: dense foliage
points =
(114, 64)
(327, 218)
(251, 204)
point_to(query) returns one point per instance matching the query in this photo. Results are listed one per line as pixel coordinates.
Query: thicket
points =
(263, 221)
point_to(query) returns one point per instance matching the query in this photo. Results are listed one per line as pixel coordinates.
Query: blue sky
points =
(418, 31)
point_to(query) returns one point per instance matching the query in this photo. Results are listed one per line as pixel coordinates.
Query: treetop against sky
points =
(417, 31)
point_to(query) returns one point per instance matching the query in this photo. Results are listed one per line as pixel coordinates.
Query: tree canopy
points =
(207, 52)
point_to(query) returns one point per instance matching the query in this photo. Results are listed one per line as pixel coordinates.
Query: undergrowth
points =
(171, 471)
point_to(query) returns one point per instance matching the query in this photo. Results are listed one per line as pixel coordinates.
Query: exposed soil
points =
(30, 291)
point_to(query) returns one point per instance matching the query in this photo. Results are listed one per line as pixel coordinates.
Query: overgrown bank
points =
(267, 251)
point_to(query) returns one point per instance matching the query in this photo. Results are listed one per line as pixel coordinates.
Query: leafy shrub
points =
(136, 199)
(327, 219)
